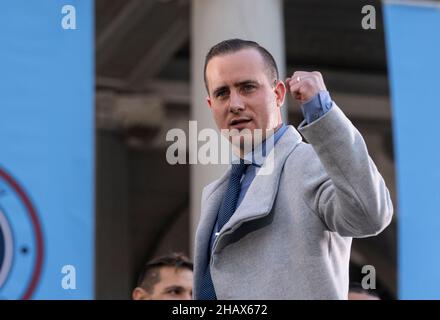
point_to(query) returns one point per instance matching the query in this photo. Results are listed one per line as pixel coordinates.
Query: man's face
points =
(241, 95)
(174, 284)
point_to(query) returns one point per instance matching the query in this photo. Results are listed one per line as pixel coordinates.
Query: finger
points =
(306, 75)
(298, 82)
(294, 86)
(300, 74)
(318, 74)
(290, 82)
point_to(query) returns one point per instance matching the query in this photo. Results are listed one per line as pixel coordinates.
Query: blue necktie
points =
(229, 203)
(227, 209)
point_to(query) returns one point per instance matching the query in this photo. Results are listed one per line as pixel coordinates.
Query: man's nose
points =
(235, 102)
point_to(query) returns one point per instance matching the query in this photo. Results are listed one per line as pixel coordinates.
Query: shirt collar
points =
(259, 153)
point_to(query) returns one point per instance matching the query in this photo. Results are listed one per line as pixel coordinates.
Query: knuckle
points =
(308, 82)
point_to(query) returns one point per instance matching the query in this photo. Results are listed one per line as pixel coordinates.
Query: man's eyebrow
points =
(217, 90)
(242, 83)
(171, 288)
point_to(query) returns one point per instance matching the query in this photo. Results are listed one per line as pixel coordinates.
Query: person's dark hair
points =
(150, 274)
(356, 287)
(234, 45)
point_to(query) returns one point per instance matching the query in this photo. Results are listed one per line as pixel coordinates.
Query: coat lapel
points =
(212, 197)
(210, 206)
(261, 194)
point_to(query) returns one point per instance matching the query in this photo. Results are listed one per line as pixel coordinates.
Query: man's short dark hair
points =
(234, 45)
(356, 287)
(150, 274)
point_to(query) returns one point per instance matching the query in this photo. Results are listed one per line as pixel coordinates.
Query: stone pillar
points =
(212, 22)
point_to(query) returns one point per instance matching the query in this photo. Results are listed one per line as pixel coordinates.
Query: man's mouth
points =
(238, 123)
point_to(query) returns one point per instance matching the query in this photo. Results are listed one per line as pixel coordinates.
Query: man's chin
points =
(243, 126)
(247, 139)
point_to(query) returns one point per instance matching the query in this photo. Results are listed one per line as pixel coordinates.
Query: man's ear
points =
(208, 99)
(140, 294)
(280, 92)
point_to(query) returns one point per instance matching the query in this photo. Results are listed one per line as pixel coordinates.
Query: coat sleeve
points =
(350, 196)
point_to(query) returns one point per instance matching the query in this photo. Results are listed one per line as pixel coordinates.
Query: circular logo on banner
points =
(21, 241)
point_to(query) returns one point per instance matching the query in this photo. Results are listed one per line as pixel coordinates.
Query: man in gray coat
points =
(286, 234)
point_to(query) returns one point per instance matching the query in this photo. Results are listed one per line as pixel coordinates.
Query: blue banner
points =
(46, 149)
(413, 49)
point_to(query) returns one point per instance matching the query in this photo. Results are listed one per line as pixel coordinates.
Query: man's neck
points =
(268, 134)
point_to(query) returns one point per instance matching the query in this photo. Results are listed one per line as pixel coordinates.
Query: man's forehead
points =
(174, 272)
(243, 57)
(171, 278)
(234, 69)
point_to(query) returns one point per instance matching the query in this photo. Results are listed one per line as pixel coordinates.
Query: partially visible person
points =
(166, 278)
(356, 292)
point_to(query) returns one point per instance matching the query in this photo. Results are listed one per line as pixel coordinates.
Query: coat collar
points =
(260, 196)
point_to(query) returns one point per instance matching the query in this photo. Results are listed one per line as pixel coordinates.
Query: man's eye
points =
(221, 94)
(175, 292)
(248, 88)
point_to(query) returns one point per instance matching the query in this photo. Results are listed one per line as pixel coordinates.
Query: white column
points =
(212, 22)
